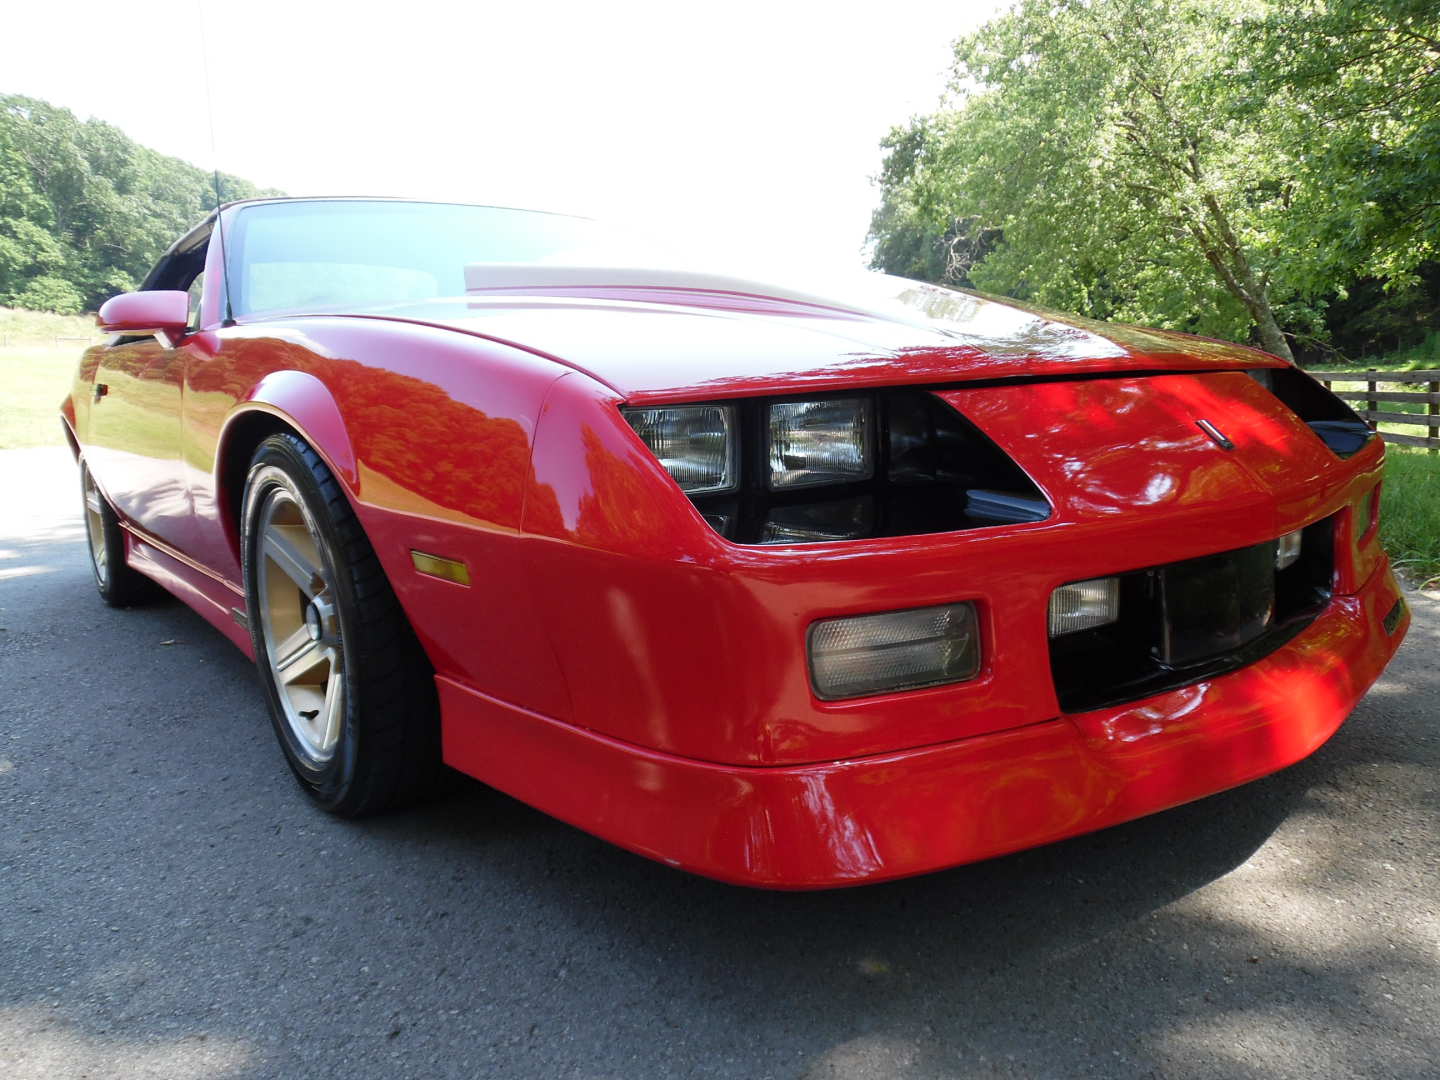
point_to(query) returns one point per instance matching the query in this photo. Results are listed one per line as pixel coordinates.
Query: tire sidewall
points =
(328, 781)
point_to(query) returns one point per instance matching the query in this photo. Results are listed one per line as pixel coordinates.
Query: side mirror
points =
(162, 311)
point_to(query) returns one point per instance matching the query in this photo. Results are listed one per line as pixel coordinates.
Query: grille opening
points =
(934, 472)
(1183, 622)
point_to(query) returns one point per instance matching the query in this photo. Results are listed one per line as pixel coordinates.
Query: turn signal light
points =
(897, 650)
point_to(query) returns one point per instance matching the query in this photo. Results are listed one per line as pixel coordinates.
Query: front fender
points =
(282, 399)
(304, 403)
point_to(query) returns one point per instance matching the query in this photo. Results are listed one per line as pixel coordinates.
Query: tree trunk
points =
(1224, 253)
(1271, 339)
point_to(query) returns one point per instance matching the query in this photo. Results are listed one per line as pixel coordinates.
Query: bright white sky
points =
(751, 126)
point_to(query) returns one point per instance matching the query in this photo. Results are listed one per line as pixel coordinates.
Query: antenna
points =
(229, 318)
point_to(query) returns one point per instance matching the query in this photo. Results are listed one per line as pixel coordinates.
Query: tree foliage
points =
(1206, 165)
(1364, 76)
(84, 210)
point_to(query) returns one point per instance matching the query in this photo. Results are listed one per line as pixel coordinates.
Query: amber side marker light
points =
(438, 566)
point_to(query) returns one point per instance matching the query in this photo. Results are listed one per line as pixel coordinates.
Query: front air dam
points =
(886, 816)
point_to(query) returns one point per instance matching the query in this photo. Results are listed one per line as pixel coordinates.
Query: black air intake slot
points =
(1330, 418)
(1183, 622)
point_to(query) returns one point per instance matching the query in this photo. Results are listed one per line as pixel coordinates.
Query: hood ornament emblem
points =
(1215, 434)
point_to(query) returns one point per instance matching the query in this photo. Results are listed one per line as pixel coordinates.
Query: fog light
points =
(899, 650)
(1287, 549)
(1083, 604)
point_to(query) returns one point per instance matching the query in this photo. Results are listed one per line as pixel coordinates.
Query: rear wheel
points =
(118, 584)
(351, 695)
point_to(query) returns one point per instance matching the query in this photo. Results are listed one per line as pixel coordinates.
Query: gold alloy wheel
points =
(298, 620)
(95, 530)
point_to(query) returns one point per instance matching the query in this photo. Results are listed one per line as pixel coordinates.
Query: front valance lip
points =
(791, 825)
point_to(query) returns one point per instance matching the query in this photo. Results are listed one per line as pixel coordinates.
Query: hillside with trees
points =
(84, 210)
(1250, 171)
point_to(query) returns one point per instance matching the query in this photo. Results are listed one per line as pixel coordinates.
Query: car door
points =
(134, 441)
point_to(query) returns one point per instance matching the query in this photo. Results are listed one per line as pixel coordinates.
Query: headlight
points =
(899, 650)
(695, 443)
(839, 467)
(820, 442)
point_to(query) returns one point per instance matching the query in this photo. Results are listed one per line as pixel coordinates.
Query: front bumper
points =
(891, 815)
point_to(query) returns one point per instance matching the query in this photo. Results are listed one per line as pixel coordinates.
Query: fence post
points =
(1370, 405)
(1433, 430)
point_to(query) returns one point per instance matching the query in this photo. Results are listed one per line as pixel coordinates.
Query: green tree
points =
(1175, 162)
(50, 294)
(84, 210)
(922, 242)
(1366, 76)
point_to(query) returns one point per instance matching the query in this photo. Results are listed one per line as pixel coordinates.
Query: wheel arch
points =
(293, 402)
(67, 424)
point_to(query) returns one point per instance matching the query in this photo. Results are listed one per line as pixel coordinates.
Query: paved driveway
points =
(170, 906)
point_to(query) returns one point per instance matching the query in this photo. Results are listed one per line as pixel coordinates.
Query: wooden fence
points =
(1371, 397)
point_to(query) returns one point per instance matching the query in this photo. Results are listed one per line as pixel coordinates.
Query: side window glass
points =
(196, 288)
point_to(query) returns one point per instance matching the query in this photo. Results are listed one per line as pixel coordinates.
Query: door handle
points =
(101, 389)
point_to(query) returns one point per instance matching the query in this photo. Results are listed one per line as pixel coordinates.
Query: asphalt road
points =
(170, 906)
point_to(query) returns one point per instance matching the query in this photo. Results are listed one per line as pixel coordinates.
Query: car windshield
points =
(294, 256)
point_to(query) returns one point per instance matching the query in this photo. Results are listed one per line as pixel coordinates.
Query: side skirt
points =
(215, 600)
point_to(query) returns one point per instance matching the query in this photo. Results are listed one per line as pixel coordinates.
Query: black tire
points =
(378, 745)
(118, 583)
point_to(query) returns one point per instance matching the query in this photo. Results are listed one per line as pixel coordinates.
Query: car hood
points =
(653, 335)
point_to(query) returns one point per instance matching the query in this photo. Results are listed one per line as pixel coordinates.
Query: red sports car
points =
(786, 589)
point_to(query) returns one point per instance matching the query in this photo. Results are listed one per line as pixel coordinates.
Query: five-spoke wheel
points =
(299, 622)
(351, 693)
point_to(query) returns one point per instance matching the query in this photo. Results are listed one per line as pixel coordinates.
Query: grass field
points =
(33, 382)
(20, 328)
(1410, 509)
(1410, 512)
(38, 355)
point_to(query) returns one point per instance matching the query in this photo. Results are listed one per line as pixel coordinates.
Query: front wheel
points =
(351, 695)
